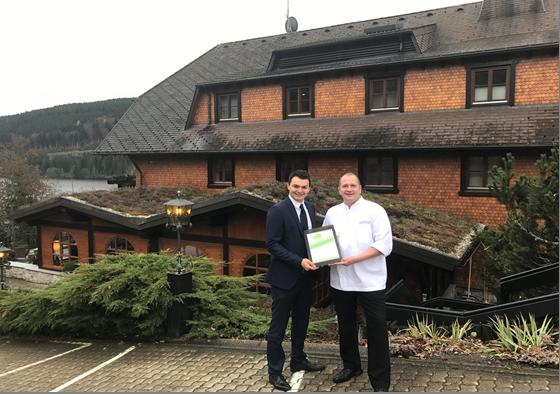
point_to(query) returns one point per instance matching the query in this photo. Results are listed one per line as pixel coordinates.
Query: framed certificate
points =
(322, 245)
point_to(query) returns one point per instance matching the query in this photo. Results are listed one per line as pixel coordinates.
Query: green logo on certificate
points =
(321, 242)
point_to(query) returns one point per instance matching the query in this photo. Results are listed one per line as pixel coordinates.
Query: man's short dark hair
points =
(301, 174)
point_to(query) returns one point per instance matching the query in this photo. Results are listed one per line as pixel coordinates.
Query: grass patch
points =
(428, 227)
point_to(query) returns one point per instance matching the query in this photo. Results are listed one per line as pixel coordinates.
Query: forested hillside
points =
(47, 133)
(65, 127)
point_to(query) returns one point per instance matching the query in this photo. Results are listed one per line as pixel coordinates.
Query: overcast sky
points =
(66, 51)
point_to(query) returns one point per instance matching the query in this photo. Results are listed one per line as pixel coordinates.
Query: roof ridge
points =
(346, 23)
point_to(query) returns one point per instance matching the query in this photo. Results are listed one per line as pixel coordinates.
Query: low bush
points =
(222, 307)
(122, 296)
(127, 296)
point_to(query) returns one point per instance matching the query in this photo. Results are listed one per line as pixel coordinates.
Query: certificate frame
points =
(322, 245)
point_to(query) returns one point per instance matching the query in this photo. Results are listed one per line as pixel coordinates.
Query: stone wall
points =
(31, 273)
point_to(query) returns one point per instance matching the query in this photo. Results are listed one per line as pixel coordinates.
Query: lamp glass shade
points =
(4, 252)
(178, 211)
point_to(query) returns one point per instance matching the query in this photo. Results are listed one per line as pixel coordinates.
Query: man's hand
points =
(368, 253)
(347, 261)
(308, 265)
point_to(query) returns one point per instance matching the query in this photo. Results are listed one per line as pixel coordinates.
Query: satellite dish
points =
(291, 24)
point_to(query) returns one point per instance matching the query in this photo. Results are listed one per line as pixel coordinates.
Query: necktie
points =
(302, 217)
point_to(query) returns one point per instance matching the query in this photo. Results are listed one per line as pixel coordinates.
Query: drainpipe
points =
(209, 109)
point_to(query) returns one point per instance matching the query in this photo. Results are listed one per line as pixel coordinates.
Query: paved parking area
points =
(46, 365)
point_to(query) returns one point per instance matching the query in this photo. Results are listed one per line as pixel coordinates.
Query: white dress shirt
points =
(365, 224)
(298, 205)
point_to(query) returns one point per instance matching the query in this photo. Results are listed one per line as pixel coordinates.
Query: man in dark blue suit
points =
(289, 276)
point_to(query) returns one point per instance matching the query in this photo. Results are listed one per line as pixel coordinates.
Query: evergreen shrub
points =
(126, 296)
(121, 296)
(222, 307)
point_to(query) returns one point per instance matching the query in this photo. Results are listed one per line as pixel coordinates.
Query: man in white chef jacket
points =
(364, 235)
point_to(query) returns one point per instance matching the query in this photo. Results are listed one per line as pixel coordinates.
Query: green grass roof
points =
(429, 228)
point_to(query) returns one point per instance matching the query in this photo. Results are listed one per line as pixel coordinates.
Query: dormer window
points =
(227, 107)
(299, 101)
(490, 85)
(384, 94)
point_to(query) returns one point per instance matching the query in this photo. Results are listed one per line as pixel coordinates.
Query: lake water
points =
(78, 185)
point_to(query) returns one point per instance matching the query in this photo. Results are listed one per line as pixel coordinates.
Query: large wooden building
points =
(421, 105)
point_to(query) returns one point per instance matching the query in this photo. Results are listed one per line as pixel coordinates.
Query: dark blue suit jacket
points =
(286, 244)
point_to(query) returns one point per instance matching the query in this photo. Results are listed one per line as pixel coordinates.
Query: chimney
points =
(503, 8)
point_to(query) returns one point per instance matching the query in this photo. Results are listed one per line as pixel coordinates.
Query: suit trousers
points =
(295, 302)
(373, 304)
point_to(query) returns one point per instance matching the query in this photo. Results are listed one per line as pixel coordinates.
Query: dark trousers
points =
(295, 302)
(373, 304)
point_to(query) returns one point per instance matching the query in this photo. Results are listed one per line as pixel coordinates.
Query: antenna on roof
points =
(291, 22)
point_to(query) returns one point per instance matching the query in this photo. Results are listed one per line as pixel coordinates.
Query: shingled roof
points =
(156, 120)
(501, 127)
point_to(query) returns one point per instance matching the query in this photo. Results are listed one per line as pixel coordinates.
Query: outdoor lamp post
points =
(178, 213)
(4, 264)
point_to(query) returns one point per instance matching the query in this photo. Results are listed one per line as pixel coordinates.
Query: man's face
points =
(298, 188)
(350, 189)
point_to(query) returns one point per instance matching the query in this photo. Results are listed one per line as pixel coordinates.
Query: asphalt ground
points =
(229, 366)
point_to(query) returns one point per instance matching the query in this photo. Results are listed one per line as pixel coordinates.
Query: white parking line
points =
(84, 345)
(80, 377)
(295, 381)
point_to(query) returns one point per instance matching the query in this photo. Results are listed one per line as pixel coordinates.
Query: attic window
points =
(227, 107)
(429, 14)
(327, 30)
(350, 26)
(299, 100)
(490, 85)
(460, 9)
(384, 94)
(401, 18)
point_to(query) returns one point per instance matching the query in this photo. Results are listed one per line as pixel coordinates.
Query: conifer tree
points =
(529, 236)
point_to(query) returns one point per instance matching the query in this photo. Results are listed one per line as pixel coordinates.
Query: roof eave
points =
(420, 253)
(341, 149)
(415, 60)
